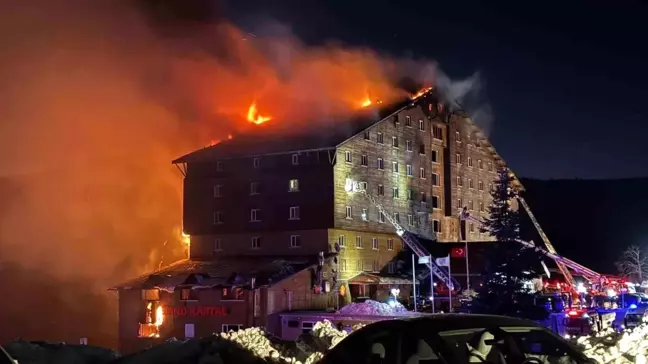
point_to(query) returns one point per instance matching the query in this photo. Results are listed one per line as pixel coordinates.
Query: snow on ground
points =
(374, 308)
(253, 345)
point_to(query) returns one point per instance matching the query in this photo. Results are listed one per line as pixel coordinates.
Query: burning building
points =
(272, 227)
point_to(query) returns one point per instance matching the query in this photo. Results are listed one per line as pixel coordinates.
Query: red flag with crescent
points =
(458, 253)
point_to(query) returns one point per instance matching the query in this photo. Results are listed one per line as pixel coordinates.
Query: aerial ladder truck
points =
(406, 236)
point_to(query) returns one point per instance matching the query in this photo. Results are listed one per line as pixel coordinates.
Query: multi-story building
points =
(266, 194)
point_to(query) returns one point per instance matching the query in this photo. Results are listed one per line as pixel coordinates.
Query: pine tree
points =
(510, 264)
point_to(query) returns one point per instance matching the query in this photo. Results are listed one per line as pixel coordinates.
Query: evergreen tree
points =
(510, 264)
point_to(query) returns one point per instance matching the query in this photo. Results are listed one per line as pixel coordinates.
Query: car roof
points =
(455, 321)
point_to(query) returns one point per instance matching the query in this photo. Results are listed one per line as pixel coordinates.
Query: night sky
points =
(565, 80)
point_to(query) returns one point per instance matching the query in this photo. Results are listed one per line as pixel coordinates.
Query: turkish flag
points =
(458, 253)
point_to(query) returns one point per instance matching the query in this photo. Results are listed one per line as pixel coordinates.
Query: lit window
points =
(293, 185)
(365, 215)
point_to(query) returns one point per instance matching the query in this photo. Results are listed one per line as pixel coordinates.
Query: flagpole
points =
(431, 286)
(467, 270)
(450, 289)
(414, 280)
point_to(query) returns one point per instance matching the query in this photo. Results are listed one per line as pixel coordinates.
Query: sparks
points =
(254, 117)
(421, 93)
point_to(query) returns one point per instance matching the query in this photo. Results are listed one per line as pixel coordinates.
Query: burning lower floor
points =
(197, 298)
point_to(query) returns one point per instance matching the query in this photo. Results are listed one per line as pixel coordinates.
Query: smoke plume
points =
(96, 103)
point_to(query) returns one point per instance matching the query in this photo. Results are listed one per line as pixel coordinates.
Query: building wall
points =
(353, 260)
(229, 193)
(413, 156)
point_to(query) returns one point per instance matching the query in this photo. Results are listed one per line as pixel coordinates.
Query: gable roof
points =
(281, 139)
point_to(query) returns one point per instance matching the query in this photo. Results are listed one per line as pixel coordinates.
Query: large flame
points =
(159, 316)
(253, 115)
(420, 93)
(186, 239)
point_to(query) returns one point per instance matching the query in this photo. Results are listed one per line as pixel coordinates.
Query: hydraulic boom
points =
(407, 237)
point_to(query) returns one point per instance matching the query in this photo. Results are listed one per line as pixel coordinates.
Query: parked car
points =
(455, 338)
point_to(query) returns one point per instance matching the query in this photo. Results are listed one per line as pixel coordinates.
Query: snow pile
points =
(629, 346)
(34, 352)
(374, 308)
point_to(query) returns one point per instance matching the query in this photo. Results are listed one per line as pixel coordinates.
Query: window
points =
(395, 142)
(342, 241)
(362, 186)
(254, 188)
(228, 328)
(422, 149)
(397, 216)
(480, 185)
(342, 265)
(349, 212)
(381, 190)
(367, 135)
(232, 294)
(218, 217)
(471, 206)
(391, 267)
(470, 164)
(470, 183)
(295, 159)
(293, 185)
(435, 156)
(347, 157)
(390, 244)
(395, 167)
(295, 241)
(375, 267)
(422, 173)
(150, 295)
(421, 125)
(359, 265)
(490, 187)
(436, 180)
(459, 203)
(408, 121)
(256, 162)
(365, 215)
(409, 170)
(471, 227)
(379, 138)
(255, 215)
(364, 160)
(381, 217)
(436, 202)
(408, 145)
(436, 226)
(457, 137)
(423, 197)
(396, 121)
(307, 327)
(217, 191)
(256, 242)
(395, 192)
(218, 244)
(374, 243)
(410, 195)
(219, 166)
(410, 220)
(481, 206)
(294, 213)
(490, 166)
(459, 181)
(359, 242)
(437, 132)
(381, 165)
(480, 164)
(458, 158)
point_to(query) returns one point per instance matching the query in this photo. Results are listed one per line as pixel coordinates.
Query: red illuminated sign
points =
(195, 311)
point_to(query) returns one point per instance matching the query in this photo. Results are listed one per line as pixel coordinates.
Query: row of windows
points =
(471, 205)
(411, 194)
(256, 242)
(362, 267)
(420, 220)
(471, 184)
(359, 244)
(256, 162)
(255, 188)
(480, 163)
(255, 215)
(408, 143)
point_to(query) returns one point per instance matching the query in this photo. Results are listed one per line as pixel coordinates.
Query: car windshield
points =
(508, 345)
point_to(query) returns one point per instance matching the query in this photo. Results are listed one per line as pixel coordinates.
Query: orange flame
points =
(421, 93)
(253, 115)
(186, 239)
(159, 316)
(366, 102)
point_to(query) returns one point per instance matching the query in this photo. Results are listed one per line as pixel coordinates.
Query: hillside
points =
(590, 221)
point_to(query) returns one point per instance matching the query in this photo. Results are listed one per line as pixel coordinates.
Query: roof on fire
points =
(238, 271)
